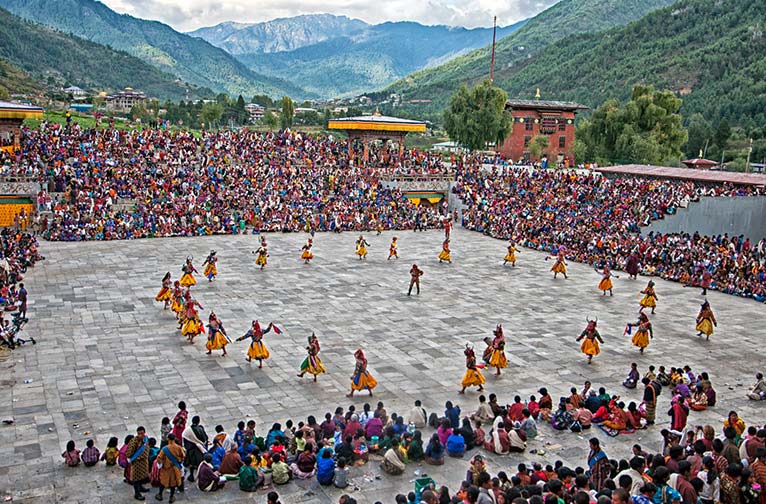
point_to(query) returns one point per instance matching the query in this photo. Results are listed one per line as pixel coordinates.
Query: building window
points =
(528, 124)
(527, 140)
(562, 126)
(562, 142)
(548, 125)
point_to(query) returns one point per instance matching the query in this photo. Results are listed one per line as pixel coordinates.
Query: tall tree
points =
(477, 116)
(287, 113)
(722, 134)
(646, 130)
(700, 134)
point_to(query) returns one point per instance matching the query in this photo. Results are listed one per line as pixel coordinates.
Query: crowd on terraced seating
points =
(597, 220)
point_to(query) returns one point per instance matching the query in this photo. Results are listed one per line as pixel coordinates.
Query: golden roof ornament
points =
(537, 94)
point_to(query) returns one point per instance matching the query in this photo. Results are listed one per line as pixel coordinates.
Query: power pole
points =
(749, 151)
(492, 63)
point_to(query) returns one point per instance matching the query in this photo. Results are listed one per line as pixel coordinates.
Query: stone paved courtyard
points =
(109, 358)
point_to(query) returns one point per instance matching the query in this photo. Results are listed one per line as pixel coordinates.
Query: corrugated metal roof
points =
(19, 106)
(686, 174)
(377, 119)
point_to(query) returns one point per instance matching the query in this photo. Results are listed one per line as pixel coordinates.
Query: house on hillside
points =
(125, 100)
(76, 92)
(256, 111)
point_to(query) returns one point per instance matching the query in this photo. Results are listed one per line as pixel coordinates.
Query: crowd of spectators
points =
(596, 220)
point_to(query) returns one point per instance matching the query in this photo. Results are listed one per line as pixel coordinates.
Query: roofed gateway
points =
(376, 127)
(12, 115)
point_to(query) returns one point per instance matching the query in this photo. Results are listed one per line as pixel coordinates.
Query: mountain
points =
(277, 35)
(713, 53)
(370, 57)
(561, 21)
(189, 58)
(56, 57)
(15, 80)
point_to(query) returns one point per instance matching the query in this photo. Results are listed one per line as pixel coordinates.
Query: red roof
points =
(686, 174)
(699, 162)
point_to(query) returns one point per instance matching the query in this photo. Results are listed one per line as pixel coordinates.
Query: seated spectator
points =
(249, 477)
(434, 451)
(231, 462)
(325, 467)
(208, 479)
(90, 455)
(455, 444)
(304, 466)
(393, 462)
(71, 455)
(280, 471)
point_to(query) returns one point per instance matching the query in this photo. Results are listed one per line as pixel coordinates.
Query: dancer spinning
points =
(362, 379)
(650, 298)
(392, 252)
(706, 320)
(165, 294)
(312, 363)
(606, 280)
(445, 254)
(187, 280)
(178, 300)
(560, 266)
(257, 349)
(644, 332)
(494, 355)
(191, 325)
(472, 376)
(415, 274)
(216, 338)
(307, 256)
(361, 247)
(591, 339)
(210, 268)
(510, 257)
(263, 254)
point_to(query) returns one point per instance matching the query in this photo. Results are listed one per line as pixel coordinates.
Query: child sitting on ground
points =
(72, 455)
(111, 452)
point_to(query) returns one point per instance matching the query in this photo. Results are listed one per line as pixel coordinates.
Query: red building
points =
(554, 119)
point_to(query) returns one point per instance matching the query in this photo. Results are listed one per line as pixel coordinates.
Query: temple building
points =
(12, 116)
(125, 100)
(554, 119)
(375, 127)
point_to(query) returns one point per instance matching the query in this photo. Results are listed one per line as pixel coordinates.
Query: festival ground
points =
(109, 358)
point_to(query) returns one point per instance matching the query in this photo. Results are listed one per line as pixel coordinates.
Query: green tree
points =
(271, 120)
(240, 110)
(4, 94)
(287, 113)
(211, 113)
(477, 116)
(263, 100)
(537, 146)
(722, 134)
(646, 130)
(700, 133)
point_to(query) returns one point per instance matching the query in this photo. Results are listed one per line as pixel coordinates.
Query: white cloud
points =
(186, 15)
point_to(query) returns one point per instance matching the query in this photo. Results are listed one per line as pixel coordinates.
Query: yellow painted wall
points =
(10, 210)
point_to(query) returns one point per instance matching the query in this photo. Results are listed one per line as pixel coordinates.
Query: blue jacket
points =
(455, 444)
(325, 470)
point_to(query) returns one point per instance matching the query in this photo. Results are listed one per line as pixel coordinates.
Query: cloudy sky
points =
(186, 15)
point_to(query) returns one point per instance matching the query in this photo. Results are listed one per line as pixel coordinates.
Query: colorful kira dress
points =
(706, 320)
(590, 338)
(187, 279)
(472, 376)
(362, 379)
(445, 254)
(312, 364)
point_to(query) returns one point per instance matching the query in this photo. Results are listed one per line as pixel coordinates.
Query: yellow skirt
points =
(260, 260)
(316, 368)
(361, 251)
(445, 256)
(218, 342)
(210, 269)
(363, 381)
(163, 294)
(191, 327)
(498, 359)
(559, 268)
(510, 258)
(641, 339)
(187, 280)
(590, 347)
(605, 284)
(307, 255)
(176, 306)
(472, 377)
(705, 326)
(648, 302)
(258, 351)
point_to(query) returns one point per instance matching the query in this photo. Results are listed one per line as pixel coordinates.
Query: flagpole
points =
(492, 63)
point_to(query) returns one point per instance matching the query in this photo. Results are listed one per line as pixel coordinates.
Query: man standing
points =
(138, 460)
(171, 472)
(651, 390)
(415, 274)
(22, 301)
